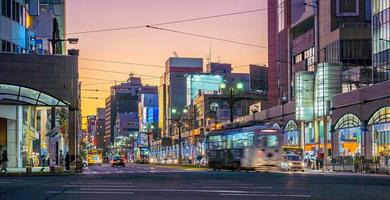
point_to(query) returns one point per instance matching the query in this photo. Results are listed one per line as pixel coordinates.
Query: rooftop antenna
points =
(209, 59)
(175, 54)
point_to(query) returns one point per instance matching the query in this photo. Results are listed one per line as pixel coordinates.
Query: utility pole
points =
(231, 104)
(180, 154)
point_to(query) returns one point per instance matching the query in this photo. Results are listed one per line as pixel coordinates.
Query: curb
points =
(37, 174)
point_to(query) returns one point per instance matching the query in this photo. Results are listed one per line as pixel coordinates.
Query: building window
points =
(280, 13)
(6, 46)
(6, 8)
(298, 58)
(347, 8)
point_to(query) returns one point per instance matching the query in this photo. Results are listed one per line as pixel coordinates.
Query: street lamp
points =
(54, 42)
(178, 119)
(231, 99)
(240, 85)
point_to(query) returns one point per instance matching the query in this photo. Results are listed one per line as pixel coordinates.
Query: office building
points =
(258, 78)
(123, 99)
(279, 21)
(172, 86)
(99, 128)
(381, 40)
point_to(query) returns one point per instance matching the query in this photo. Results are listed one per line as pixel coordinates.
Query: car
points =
(292, 162)
(117, 161)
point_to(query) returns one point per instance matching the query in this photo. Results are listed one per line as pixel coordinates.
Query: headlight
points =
(290, 164)
(303, 164)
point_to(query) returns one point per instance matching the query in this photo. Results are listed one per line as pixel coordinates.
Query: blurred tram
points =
(256, 147)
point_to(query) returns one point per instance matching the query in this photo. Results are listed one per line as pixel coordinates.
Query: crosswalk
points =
(126, 170)
(121, 187)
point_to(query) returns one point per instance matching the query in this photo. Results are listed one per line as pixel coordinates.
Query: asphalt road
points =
(146, 182)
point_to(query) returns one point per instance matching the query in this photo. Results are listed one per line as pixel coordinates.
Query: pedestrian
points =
(308, 159)
(67, 161)
(79, 164)
(61, 158)
(4, 161)
(321, 158)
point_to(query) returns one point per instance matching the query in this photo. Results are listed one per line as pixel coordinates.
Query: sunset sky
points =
(154, 47)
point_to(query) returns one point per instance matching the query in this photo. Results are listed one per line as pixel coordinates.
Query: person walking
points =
(321, 158)
(67, 161)
(4, 161)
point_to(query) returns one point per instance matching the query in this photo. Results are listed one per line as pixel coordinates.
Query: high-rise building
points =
(381, 40)
(123, 99)
(57, 7)
(258, 78)
(99, 128)
(162, 111)
(148, 113)
(31, 25)
(279, 22)
(15, 35)
(91, 120)
(345, 38)
(173, 88)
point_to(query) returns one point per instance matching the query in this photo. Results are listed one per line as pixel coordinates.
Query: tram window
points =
(240, 140)
(268, 140)
(272, 141)
(216, 142)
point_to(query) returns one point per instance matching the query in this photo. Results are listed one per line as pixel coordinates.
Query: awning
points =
(14, 94)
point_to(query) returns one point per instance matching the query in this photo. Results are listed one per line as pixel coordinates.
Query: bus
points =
(95, 157)
(256, 147)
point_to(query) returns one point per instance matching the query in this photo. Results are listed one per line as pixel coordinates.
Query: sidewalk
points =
(345, 173)
(35, 171)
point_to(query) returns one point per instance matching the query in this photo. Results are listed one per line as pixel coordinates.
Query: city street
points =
(147, 182)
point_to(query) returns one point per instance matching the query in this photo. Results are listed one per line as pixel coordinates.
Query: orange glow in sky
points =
(154, 47)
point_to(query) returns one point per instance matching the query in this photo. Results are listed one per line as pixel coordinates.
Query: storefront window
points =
(350, 141)
(291, 134)
(309, 134)
(380, 131)
(349, 135)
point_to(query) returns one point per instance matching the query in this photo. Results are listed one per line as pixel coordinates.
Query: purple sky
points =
(154, 47)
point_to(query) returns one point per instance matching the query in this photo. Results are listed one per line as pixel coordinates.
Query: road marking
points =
(270, 195)
(172, 190)
(98, 183)
(87, 192)
(237, 187)
(4, 182)
(100, 186)
(224, 184)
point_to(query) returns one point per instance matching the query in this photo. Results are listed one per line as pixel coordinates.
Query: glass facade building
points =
(202, 84)
(304, 99)
(381, 39)
(327, 84)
